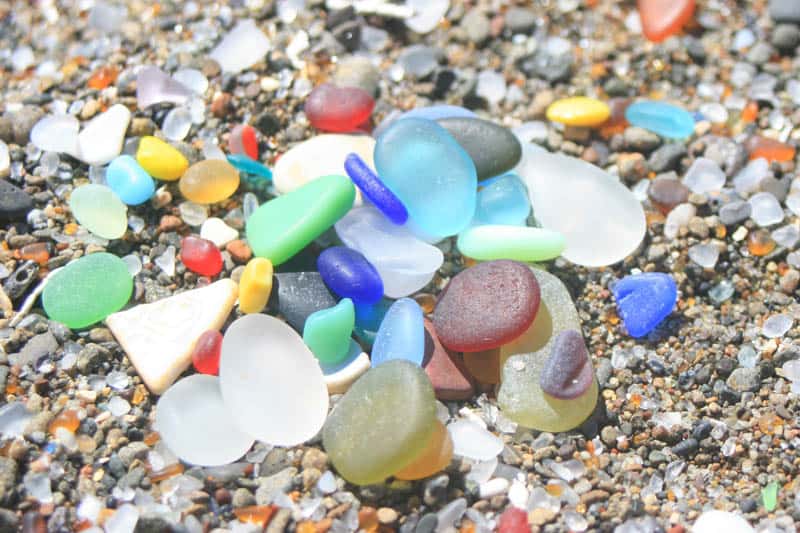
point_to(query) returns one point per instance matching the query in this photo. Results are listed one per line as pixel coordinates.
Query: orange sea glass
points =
(67, 419)
(663, 18)
(769, 149)
(484, 366)
(103, 77)
(435, 457)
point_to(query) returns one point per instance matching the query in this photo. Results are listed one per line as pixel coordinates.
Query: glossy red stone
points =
(338, 109)
(663, 18)
(486, 306)
(513, 520)
(243, 140)
(445, 369)
(201, 256)
(205, 356)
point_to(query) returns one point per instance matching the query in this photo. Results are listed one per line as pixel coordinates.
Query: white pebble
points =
(748, 179)
(777, 326)
(705, 255)
(766, 209)
(704, 176)
(491, 86)
(787, 236)
(242, 47)
(678, 218)
(166, 261)
(493, 487)
(118, 406)
(177, 124)
(217, 231)
(715, 521)
(473, 442)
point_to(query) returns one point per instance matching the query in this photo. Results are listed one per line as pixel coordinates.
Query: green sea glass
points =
(382, 423)
(87, 290)
(327, 332)
(494, 241)
(99, 210)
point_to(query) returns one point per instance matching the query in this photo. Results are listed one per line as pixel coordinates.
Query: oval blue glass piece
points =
(374, 189)
(664, 119)
(251, 166)
(502, 200)
(644, 300)
(126, 177)
(421, 163)
(349, 274)
(401, 335)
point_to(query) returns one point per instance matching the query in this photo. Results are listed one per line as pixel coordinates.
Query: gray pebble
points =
(8, 476)
(357, 71)
(745, 379)
(269, 486)
(667, 157)
(520, 19)
(786, 37)
(640, 140)
(759, 53)
(784, 10)
(734, 212)
(476, 25)
(427, 524)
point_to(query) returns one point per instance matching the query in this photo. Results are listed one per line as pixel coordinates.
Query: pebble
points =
(14, 202)
(430, 173)
(401, 334)
(196, 425)
(704, 176)
(318, 156)
(579, 111)
(217, 231)
(640, 140)
(357, 71)
(644, 301)
(243, 46)
(678, 218)
(705, 255)
(449, 377)
(154, 86)
(87, 290)
(371, 186)
(427, 14)
(209, 181)
(405, 264)
(159, 337)
(662, 118)
(663, 18)
(735, 212)
(350, 275)
(206, 353)
(765, 209)
(282, 227)
(473, 441)
(160, 159)
(714, 521)
(243, 141)
(255, 285)
(177, 124)
(327, 332)
(339, 378)
(338, 109)
(784, 11)
(298, 294)
(666, 192)
(493, 149)
(502, 200)
(777, 326)
(489, 241)
(281, 399)
(101, 139)
(486, 306)
(201, 256)
(129, 181)
(476, 25)
(567, 373)
(748, 180)
(434, 458)
(598, 201)
(56, 133)
(368, 445)
(667, 157)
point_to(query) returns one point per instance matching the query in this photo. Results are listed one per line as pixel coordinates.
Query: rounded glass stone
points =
(362, 436)
(196, 425)
(662, 18)
(486, 306)
(522, 399)
(520, 243)
(327, 332)
(87, 290)
(502, 200)
(209, 181)
(160, 159)
(338, 109)
(201, 256)
(644, 300)
(350, 275)
(579, 111)
(401, 334)
(664, 119)
(373, 188)
(430, 173)
(271, 383)
(435, 457)
(242, 140)
(206, 352)
(129, 180)
(255, 285)
(99, 210)
(567, 373)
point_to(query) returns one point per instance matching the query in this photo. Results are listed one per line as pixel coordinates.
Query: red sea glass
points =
(513, 520)
(201, 256)
(338, 109)
(486, 306)
(205, 356)
(243, 141)
(445, 369)
(663, 18)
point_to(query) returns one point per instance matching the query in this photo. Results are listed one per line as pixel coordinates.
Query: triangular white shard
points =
(159, 337)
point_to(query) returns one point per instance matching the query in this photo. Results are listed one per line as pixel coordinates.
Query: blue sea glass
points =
(664, 119)
(374, 189)
(401, 335)
(644, 300)
(350, 275)
(502, 200)
(126, 177)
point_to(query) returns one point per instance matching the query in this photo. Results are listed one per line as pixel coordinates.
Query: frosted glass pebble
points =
(177, 124)
(777, 326)
(197, 426)
(192, 213)
(791, 370)
(401, 334)
(678, 218)
(715, 521)
(154, 86)
(271, 383)
(193, 79)
(101, 139)
(705, 255)
(793, 202)
(749, 178)
(600, 218)
(118, 406)
(243, 46)
(427, 14)
(450, 514)
(56, 133)
(405, 263)
(704, 176)
(166, 261)
(766, 210)
(491, 86)
(217, 231)
(786, 236)
(714, 112)
(123, 520)
(98, 209)
(474, 442)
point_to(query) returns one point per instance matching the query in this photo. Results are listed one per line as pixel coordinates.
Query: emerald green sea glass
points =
(87, 290)
(327, 332)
